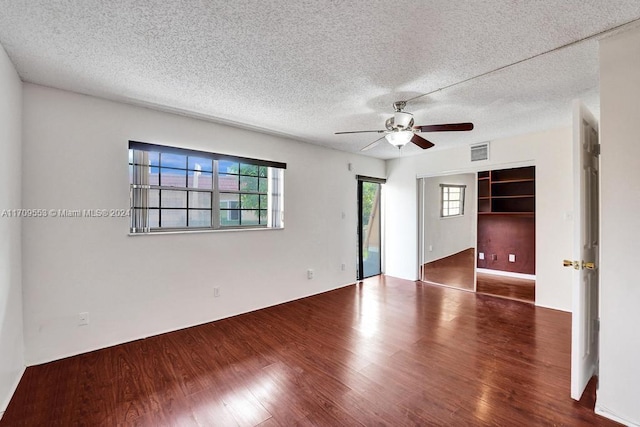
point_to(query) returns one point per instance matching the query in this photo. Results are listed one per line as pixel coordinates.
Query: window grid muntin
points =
(452, 200)
(252, 171)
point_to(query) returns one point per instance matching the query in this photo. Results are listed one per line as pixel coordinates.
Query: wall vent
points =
(480, 152)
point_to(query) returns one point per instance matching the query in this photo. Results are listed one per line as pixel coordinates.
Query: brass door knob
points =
(589, 265)
(569, 263)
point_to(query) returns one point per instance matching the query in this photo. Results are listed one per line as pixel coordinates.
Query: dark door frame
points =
(361, 179)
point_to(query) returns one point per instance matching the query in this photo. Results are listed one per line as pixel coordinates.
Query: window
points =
(452, 200)
(178, 189)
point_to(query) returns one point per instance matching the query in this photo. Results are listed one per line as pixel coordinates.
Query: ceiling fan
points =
(400, 129)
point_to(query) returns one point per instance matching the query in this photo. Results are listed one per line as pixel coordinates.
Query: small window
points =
(452, 200)
(178, 189)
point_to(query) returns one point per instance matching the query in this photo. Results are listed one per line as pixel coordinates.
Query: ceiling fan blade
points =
(360, 131)
(421, 142)
(451, 127)
(373, 144)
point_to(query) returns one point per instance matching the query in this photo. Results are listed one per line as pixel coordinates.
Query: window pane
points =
(154, 218)
(200, 164)
(154, 198)
(250, 201)
(173, 217)
(264, 186)
(154, 158)
(263, 216)
(199, 199)
(229, 217)
(202, 180)
(173, 177)
(173, 199)
(199, 218)
(228, 182)
(154, 176)
(251, 170)
(173, 160)
(225, 166)
(249, 217)
(248, 183)
(264, 202)
(263, 171)
(229, 200)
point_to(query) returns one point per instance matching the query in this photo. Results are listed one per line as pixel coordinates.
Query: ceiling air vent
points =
(480, 152)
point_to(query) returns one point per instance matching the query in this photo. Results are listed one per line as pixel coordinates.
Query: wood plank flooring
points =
(382, 352)
(507, 287)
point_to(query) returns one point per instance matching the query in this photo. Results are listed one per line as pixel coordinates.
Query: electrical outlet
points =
(430, 248)
(494, 257)
(309, 274)
(480, 255)
(512, 257)
(216, 292)
(343, 266)
(83, 318)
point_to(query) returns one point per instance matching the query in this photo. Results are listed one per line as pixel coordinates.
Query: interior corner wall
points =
(11, 330)
(447, 236)
(549, 151)
(619, 372)
(75, 157)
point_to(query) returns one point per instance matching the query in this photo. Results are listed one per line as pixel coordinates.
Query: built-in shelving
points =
(507, 191)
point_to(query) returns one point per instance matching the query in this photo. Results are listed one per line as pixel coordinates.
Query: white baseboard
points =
(506, 273)
(604, 412)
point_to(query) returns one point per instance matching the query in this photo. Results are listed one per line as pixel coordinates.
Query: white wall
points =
(11, 336)
(619, 391)
(549, 151)
(75, 157)
(448, 236)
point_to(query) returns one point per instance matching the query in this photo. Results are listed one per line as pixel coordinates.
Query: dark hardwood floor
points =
(382, 352)
(507, 287)
(455, 270)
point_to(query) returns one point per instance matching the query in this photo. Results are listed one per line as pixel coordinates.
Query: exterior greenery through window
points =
(177, 189)
(452, 200)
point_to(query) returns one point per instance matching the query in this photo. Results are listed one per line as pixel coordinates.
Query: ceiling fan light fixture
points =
(400, 138)
(403, 120)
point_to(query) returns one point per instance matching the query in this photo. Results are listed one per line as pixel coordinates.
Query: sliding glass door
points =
(369, 227)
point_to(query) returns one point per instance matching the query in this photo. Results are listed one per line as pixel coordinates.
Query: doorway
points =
(506, 233)
(369, 227)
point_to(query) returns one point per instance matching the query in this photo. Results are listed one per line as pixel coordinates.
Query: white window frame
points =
(446, 201)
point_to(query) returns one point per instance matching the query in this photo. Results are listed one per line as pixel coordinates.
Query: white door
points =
(585, 321)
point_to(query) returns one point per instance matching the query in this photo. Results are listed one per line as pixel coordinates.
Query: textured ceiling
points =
(309, 68)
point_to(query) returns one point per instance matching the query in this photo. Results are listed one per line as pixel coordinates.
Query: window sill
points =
(452, 216)
(224, 230)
